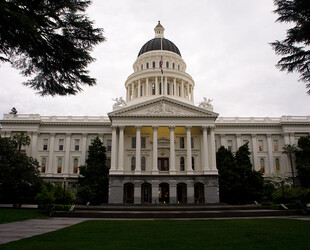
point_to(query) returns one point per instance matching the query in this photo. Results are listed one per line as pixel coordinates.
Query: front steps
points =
(174, 212)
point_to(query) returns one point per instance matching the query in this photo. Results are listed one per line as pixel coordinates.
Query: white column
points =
(113, 150)
(34, 144)
(155, 190)
(139, 88)
(292, 139)
(121, 149)
(155, 168)
(165, 87)
(172, 151)
(137, 192)
(238, 136)
(147, 87)
(189, 149)
(67, 154)
(223, 141)
(205, 148)
(286, 138)
(182, 89)
(174, 87)
(254, 148)
(213, 156)
(270, 154)
(187, 88)
(138, 149)
(192, 93)
(51, 154)
(84, 148)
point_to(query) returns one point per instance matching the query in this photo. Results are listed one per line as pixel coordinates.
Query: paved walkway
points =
(23, 229)
(28, 228)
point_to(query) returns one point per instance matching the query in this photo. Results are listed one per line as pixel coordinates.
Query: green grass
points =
(11, 215)
(209, 234)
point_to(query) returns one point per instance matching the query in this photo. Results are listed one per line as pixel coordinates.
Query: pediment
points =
(162, 107)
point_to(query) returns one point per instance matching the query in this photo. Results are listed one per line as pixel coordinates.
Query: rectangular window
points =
(229, 145)
(59, 165)
(43, 165)
(275, 145)
(181, 142)
(45, 142)
(143, 142)
(262, 165)
(260, 145)
(76, 144)
(192, 142)
(109, 145)
(133, 142)
(61, 144)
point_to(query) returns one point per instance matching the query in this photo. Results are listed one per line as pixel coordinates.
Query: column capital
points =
(254, 135)
(154, 127)
(171, 127)
(84, 134)
(114, 127)
(68, 134)
(121, 128)
(204, 127)
(138, 127)
(188, 127)
(52, 134)
(268, 135)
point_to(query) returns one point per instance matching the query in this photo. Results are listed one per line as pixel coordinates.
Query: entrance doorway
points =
(199, 193)
(146, 193)
(163, 193)
(128, 193)
(163, 164)
(182, 193)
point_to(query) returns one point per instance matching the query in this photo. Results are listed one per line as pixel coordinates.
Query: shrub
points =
(291, 195)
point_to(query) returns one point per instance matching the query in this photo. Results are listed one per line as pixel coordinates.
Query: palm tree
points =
(21, 139)
(289, 150)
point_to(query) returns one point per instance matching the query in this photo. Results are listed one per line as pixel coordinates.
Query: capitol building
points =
(161, 148)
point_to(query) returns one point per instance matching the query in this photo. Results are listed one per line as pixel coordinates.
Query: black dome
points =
(154, 44)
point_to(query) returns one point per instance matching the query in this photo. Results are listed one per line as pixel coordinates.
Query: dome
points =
(155, 44)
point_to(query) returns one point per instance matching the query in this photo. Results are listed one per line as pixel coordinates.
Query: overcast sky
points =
(225, 44)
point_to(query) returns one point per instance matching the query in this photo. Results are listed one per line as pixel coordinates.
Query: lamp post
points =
(63, 198)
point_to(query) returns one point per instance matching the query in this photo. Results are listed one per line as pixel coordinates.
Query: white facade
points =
(161, 146)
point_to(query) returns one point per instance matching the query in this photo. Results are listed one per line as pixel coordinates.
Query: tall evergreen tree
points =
(303, 161)
(94, 182)
(238, 182)
(19, 175)
(50, 40)
(295, 49)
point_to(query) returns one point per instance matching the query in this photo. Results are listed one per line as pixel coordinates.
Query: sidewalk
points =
(28, 228)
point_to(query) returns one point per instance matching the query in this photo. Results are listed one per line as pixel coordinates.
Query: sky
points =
(225, 44)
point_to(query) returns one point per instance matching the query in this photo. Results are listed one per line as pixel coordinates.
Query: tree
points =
(238, 182)
(19, 175)
(295, 48)
(93, 182)
(289, 150)
(303, 161)
(21, 139)
(51, 40)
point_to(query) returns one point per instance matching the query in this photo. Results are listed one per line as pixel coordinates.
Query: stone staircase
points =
(174, 212)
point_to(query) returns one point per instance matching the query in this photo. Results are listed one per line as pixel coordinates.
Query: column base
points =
(172, 172)
(155, 172)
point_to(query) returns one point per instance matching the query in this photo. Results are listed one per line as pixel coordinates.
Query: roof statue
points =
(206, 104)
(13, 111)
(119, 103)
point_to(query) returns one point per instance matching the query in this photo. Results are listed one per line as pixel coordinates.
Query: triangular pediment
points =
(162, 107)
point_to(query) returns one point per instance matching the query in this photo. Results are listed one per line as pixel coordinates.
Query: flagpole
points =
(162, 62)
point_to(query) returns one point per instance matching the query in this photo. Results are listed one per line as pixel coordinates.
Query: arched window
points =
(133, 163)
(179, 90)
(182, 167)
(141, 90)
(168, 88)
(43, 165)
(167, 65)
(141, 66)
(59, 165)
(173, 65)
(178, 67)
(160, 88)
(153, 89)
(277, 164)
(75, 165)
(153, 65)
(143, 163)
(147, 65)
(193, 163)
(262, 165)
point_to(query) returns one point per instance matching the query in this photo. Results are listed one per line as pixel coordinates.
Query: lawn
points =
(10, 215)
(208, 234)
